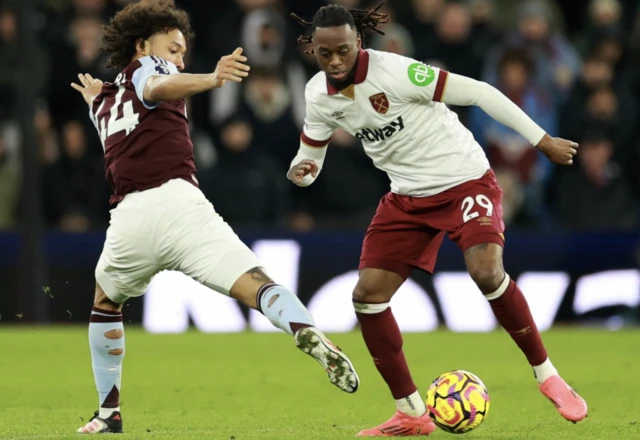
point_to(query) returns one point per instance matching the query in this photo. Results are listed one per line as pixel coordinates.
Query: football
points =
(458, 401)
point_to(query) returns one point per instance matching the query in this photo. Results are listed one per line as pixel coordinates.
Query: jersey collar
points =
(361, 72)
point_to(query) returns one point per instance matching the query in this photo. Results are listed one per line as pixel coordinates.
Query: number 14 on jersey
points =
(127, 122)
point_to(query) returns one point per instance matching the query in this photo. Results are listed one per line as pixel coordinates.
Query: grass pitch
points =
(259, 386)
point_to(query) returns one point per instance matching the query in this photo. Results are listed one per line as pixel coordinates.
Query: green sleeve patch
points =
(421, 75)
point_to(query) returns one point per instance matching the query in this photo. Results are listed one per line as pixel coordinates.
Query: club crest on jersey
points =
(379, 102)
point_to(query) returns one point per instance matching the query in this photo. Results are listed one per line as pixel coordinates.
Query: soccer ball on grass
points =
(457, 401)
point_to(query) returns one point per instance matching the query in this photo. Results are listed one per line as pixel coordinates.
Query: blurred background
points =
(572, 233)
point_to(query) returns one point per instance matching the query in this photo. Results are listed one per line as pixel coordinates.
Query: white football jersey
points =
(394, 108)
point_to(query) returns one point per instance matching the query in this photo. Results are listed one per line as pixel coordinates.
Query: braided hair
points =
(334, 15)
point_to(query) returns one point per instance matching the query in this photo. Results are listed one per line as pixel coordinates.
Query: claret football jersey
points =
(145, 144)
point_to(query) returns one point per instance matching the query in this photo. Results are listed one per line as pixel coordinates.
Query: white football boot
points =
(337, 365)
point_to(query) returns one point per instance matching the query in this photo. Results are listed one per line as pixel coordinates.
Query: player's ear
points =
(142, 46)
(359, 42)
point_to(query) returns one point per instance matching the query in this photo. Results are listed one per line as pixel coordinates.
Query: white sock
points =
(412, 405)
(106, 341)
(544, 371)
(283, 308)
(104, 413)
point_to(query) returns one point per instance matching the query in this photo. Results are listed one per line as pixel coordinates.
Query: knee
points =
(376, 286)
(488, 277)
(102, 301)
(368, 292)
(361, 294)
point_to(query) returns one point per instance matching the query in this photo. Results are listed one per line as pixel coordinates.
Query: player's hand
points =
(90, 88)
(231, 67)
(297, 173)
(558, 150)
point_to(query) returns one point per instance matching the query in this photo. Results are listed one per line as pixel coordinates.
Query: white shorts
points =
(172, 227)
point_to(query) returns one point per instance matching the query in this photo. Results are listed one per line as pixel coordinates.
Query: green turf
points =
(259, 386)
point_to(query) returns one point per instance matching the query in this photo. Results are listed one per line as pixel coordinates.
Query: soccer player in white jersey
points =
(161, 220)
(441, 182)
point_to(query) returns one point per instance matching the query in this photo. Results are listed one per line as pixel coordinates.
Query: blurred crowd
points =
(573, 66)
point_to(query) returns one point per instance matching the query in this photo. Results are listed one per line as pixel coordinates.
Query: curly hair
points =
(334, 15)
(140, 21)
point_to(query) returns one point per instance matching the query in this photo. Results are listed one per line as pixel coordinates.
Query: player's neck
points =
(136, 57)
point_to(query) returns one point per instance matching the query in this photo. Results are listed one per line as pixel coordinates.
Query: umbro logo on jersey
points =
(338, 115)
(380, 134)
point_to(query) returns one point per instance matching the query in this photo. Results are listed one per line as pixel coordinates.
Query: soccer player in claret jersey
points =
(162, 220)
(441, 182)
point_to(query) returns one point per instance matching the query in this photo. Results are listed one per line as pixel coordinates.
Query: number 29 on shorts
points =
(469, 211)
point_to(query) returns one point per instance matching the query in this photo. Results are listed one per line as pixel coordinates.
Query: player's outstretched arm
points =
(463, 91)
(175, 87)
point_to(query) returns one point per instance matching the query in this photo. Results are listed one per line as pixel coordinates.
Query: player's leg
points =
(393, 246)
(277, 303)
(485, 266)
(106, 342)
(124, 270)
(475, 223)
(210, 252)
(484, 263)
(285, 311)
(381, 334)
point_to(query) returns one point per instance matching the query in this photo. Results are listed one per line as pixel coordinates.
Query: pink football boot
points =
(569, 404)
(402, 425)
